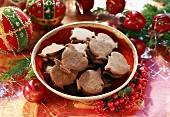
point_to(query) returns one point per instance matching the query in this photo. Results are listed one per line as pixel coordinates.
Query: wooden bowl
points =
(60, 35)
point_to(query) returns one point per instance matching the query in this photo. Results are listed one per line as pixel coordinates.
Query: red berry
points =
(140, 81)
(136, 95)
(115, 96)
(121, 100)
(131, 104)
(127, 106)
(125, 96)
(112, 109)
(125, 102)
(132, 84)
(144, 74)
(116, 102)
(105, 112)
(139, 87)
(133, 90)
(99, 102)
(144, 83)
(132, 98)
(110, 104)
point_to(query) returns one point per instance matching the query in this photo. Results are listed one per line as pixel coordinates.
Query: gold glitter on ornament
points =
(47, 11)
(3, 35)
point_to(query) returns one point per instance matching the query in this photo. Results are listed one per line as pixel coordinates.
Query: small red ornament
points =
(161, 23)
(15, 29)
(85, 5)
(139, 45)
(134, 20)
(46, 14)
(115, 6)
(33, 90)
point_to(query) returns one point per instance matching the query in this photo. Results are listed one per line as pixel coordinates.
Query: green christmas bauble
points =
(15, 29)
(46, 13)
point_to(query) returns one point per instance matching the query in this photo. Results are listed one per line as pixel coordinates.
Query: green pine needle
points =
(19, 67)
(30, 74)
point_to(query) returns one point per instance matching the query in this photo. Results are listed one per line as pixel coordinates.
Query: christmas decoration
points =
(46, 14)
(84, 6)
(18, 68)
(160, 34)
(115, 6)
(34, 90)
(15, 29)
(125, 99)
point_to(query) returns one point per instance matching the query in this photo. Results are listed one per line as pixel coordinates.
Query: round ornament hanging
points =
(15, 29)
(46, 14)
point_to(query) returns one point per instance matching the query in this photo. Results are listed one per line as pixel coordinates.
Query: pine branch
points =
(19, 67)
(30, 74)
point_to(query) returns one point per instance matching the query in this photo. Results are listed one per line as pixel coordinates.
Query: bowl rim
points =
(80, 98)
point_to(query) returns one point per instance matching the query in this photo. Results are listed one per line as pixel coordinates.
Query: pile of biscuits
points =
(84, 61)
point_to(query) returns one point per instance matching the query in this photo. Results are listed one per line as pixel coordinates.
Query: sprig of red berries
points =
(125, 99)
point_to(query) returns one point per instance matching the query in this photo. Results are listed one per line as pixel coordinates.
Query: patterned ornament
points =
(15, 29)
(46, 13)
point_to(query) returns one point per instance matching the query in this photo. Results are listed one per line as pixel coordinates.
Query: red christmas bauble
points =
(46, 13)
(15, 29)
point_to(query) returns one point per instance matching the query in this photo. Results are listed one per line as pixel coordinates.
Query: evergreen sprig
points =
(17, 68)
(30, 74)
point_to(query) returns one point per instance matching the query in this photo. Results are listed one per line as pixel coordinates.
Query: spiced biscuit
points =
(51, 49)
(61, 78)
(81, 35)
(47, 66)
(100, 48)
(117, 64)
(73, 60)
(107, 39)
(80, 47)
(91, 82)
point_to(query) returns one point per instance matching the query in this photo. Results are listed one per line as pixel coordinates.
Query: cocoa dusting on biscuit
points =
(91, 82)
(72, 59)
(82, 35)
(107, 38)
(61, 78)
(100, 48)
(51, 49)
(117, 64)
(80, 47)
